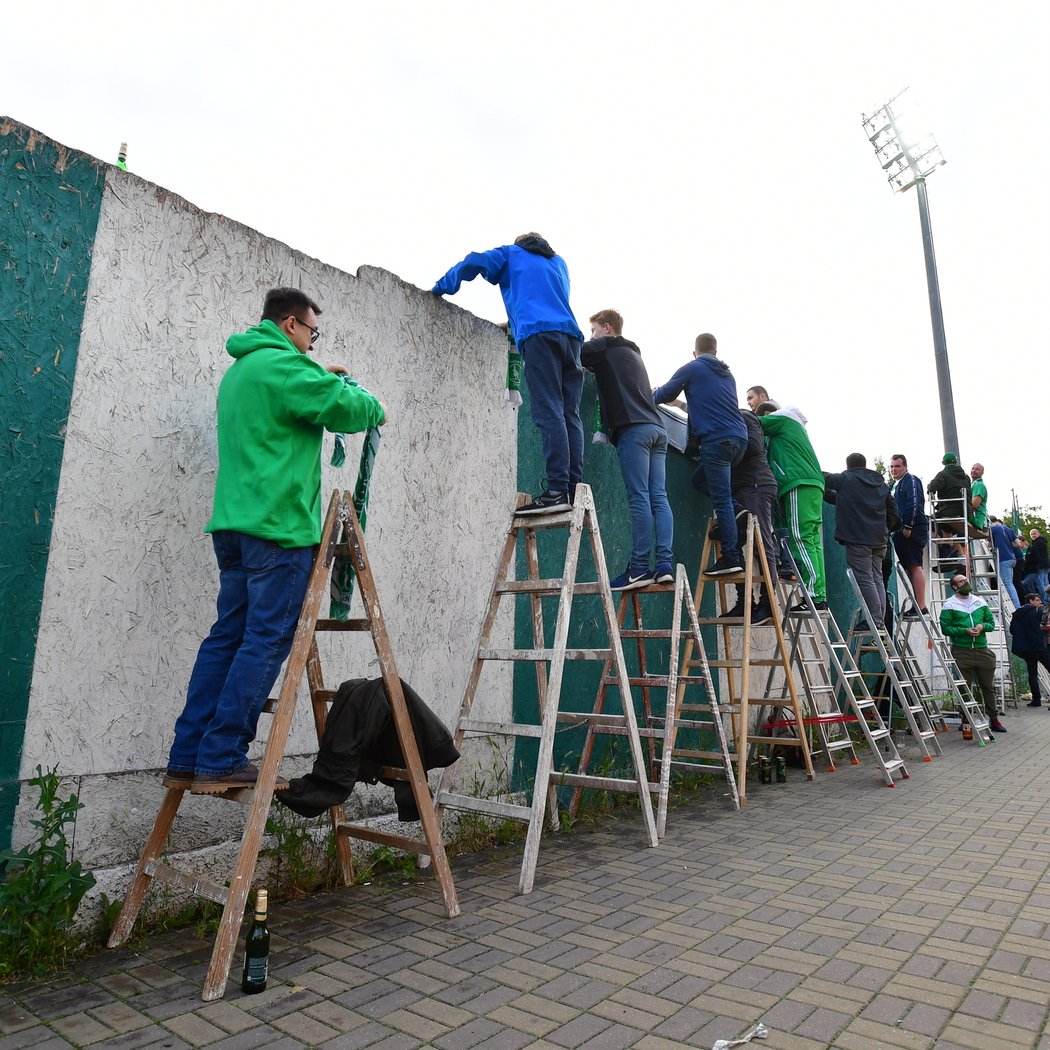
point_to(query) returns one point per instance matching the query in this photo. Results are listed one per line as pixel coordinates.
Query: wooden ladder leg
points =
(140, 883)
(315, 678)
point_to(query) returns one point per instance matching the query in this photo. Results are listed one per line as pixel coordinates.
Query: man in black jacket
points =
(635, 427)
(1036, 564)
(865, 515)
(1029, 642)
(950, 506)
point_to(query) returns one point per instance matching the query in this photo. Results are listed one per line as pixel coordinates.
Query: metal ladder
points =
(988, 584)
(831, 681)
(901, 687)
(549, 662)
(940, 561)
(941, 662)
(693, 714)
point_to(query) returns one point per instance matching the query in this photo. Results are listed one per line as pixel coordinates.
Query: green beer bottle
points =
(256, 949)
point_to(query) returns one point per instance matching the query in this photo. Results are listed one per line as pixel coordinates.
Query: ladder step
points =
(546, 587)
(787, 741)
(476, 725)
(594, 718)
(195, 884)
(585, 780)
(535, 522)
(651, 681)
(636, 633)
(383, 838)
(344, 625)
(537, 655)
(491, 807)
(762, 662)
(715, 756)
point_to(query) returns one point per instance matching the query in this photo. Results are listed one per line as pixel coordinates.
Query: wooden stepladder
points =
(341, 537)
(550, 668)
(683, 708)
(739, 659)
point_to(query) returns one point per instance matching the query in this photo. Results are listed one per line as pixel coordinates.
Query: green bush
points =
(42, 887)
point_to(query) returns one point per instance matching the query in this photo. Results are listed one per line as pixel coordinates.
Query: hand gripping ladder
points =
(901, 687)
(549, 661)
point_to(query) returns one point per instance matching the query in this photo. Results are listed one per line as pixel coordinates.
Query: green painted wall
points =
(691, 514)
(50, 199)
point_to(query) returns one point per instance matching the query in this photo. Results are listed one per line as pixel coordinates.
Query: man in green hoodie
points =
(274, 404)
(800, 489)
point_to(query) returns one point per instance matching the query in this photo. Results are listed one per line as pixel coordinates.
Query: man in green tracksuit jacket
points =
(274, 405)
(965, 621)
(800, 489)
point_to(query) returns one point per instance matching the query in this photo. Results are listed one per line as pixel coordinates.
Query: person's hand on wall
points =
(337, 370)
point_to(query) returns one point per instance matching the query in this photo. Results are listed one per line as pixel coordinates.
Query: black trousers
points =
(1032, 661)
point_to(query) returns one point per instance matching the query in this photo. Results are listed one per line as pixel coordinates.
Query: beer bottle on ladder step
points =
(256, 949)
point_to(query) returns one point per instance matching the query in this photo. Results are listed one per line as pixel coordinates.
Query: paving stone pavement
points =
(839, 912)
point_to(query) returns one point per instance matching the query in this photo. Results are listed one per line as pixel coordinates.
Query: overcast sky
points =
(701, 167)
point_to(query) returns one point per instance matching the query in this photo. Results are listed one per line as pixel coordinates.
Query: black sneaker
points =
(630, 580)
(911, 614)
(725, 566)
(1035, 703)
(762, 614)
(736, 613)
(997, 727)
(820, 606)
(545, 503)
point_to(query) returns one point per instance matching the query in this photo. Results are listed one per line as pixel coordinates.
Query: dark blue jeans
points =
(261, 592)
(642, 448)
(555, 377)
(714, 478)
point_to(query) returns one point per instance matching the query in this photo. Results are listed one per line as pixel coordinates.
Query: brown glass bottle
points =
(256, 949)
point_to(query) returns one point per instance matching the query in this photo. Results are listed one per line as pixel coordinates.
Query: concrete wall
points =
(130, 581)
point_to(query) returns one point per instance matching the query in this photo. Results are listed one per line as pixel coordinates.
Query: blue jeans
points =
(261, 592)
(714, 478)
(642, 448)
(1035, 583)
(1006, 575)
(555, 377)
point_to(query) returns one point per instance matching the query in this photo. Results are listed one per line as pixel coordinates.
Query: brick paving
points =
(840, 913)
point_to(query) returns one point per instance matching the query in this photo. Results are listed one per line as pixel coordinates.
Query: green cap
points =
(950, 457)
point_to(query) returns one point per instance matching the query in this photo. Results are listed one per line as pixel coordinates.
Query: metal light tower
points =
(908, 153)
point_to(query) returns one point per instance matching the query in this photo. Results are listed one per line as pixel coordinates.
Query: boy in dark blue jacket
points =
(710, 393)
(534, 282)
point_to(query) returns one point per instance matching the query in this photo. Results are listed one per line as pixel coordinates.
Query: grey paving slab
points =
(841, 913)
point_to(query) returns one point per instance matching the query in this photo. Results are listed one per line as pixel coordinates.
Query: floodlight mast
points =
(907, 163)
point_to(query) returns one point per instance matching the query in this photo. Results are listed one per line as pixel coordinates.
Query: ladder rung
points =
(787, 741)
(195, 884)
(715, 756)
(537, 655)
(546, 587)
(594, 718)
(483, 805)
(762, 662)
(585, 780)
(650, 681)
(383, 838)
(533, 522)
(636, 633)
(475, 725)
(344, 625)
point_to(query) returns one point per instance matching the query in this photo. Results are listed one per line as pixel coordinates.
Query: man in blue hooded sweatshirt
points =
(710, 394)
(534, 282)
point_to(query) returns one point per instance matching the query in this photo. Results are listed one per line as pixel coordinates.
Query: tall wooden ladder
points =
(901, 687)
(930, 665)
(739, 659)
(341, 537)
(834, 685)
(549, 661)
(690, 703)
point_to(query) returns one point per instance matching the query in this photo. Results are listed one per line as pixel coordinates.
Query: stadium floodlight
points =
(907, 151)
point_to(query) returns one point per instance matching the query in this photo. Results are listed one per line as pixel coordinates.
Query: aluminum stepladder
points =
(902, 690)
(736, 633)
(688, 713)
(944, 679)
(987, 582)
(550, 667)
(942, 565)
(831, 680)
(303, 658)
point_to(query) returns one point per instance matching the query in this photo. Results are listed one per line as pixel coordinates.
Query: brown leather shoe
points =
(245, 777)
(177, 779)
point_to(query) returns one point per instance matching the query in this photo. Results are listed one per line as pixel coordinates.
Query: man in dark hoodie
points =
(534, 282)
(950, 506)
(865, 515)
(634, 426)
(710, 394)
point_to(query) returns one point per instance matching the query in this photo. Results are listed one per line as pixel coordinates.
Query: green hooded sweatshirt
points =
(790, 453)
(274, 405)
